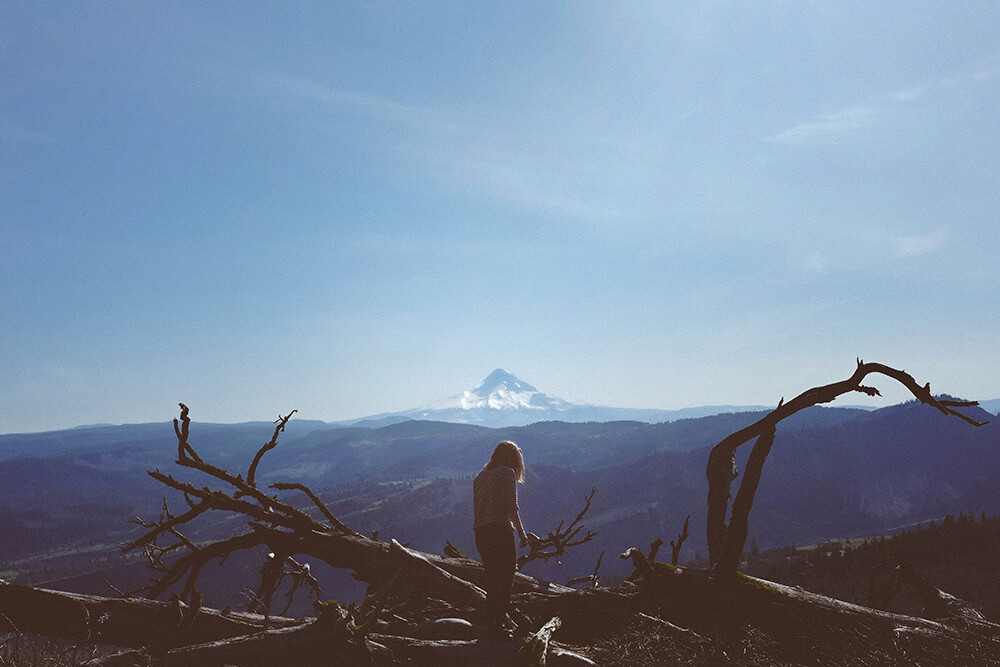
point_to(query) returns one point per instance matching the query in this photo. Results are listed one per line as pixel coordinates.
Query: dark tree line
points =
(960, 554)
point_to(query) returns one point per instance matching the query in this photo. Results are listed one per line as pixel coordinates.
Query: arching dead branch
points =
(726, 541)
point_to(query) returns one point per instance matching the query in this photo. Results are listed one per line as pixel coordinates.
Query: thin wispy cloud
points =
(916, 245)
(907, 95)
(987, 74)
(827, 124)
(529, 181)
(538, 169)
(862, 115)
(275, 90)
(408, 244)
(367, 105)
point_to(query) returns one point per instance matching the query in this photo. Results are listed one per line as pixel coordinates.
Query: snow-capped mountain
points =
(503, 399)
(503, 391)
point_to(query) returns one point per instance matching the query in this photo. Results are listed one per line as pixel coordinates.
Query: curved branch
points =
(191, 563)
(182, 430)
(268, 446)
(163, 526)
(556, 543)
(334, 521)
(721, 469)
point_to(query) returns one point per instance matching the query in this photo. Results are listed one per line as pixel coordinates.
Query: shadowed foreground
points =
(664, 615)
(423, 609)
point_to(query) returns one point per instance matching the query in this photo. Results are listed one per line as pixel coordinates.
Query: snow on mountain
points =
(502, 391)
(503, 399)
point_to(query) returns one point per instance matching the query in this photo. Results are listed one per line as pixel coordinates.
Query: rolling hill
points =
(833, 472)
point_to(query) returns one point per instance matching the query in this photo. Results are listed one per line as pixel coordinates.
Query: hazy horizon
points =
(355, 208)
(856, 400)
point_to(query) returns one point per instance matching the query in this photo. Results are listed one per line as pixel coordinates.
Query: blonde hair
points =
(508, 454)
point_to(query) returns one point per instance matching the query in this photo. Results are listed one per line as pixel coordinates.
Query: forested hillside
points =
(960, 555)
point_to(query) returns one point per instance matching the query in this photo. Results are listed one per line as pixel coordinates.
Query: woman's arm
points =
(510, 502)
(516, 518)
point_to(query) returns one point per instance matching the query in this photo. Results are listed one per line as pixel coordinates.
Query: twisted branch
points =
(335, 523)
(268, 446)
(556, 543)
(725, 543)
(675, 546)
(245, 499)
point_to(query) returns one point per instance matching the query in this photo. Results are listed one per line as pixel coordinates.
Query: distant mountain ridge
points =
(833, 472)
(503, 399)
(991, 406)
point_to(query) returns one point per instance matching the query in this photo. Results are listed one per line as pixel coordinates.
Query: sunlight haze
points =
(357, 208)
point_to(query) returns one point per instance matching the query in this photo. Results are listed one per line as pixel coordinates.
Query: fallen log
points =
(326, 640)
(722, 607)
(690, 610)
(375, 562)
(437, 581)
(128, 622)
(469, 653)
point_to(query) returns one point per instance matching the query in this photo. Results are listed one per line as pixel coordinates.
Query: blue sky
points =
(352, 208)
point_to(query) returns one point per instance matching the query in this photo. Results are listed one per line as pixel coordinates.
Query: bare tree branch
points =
(654, 548)
(268, 446)
(675, 546)
(725, 543)
(451, 551)
(244, 498)
(592, 579)
(556, 543)
(287, 531)
(334, 521)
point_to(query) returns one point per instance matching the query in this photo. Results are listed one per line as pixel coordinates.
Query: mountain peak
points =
(503, 399)
(500, 380)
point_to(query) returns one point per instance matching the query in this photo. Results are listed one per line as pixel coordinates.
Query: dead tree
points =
(397, 576)
(675, 546)
(289, 533)
(726, 541)
(555, 544)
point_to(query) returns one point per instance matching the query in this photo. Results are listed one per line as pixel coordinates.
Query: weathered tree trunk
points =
(131, 622)
(725, 543)
(736, 533)
(697, 609)
(375, 563)
(720, 606)
(435, 580)
(321, 641)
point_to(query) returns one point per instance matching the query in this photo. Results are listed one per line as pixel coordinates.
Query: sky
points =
(355, 208)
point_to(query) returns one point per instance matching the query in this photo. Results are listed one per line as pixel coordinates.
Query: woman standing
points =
(494, 494)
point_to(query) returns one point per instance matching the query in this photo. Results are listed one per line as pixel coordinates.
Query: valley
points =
(833, 473)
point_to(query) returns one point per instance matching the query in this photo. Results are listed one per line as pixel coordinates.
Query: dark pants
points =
(495, 542)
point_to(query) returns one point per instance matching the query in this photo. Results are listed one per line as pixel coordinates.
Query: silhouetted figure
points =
(494, 493)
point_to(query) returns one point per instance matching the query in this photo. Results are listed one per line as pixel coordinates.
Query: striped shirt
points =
(494, 496)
